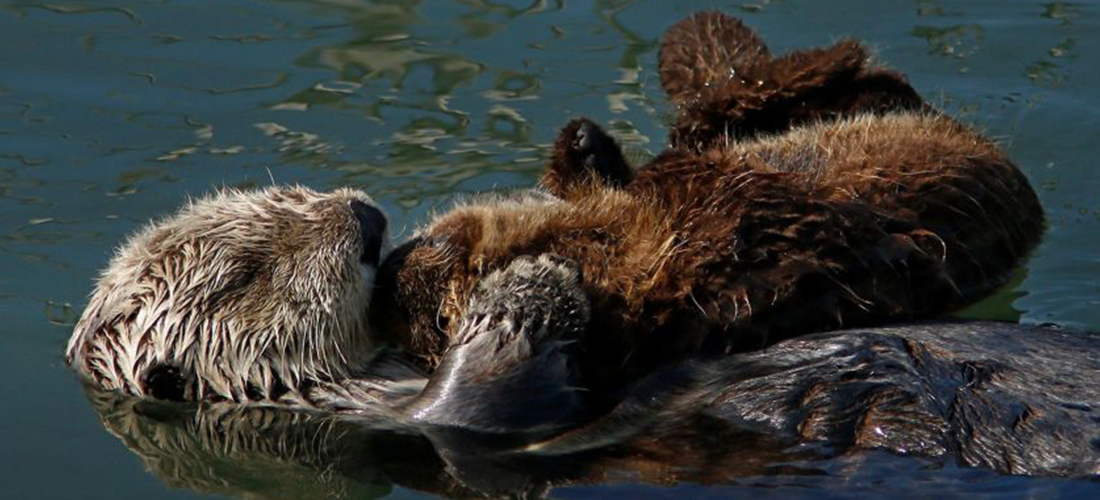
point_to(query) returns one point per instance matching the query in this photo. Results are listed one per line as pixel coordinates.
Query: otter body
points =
(865, 206)
(854, 222)
(1012, 398)
(943, 391)
(1017, 399)
(501, 413)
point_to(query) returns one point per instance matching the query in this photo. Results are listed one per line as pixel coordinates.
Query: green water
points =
(113, 112)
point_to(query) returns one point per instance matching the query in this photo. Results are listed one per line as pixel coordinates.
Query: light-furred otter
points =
(262, 296)
(239, 296)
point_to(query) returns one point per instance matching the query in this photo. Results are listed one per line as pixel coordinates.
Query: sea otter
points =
(239, 296)
(723, 249)
(854, 222)
(943, 393)
(879, 216)
(262, 296)
(868, 207)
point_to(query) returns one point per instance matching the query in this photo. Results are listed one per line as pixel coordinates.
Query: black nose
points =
(372, 228)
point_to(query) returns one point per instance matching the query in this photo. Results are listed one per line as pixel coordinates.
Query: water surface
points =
(113, 112)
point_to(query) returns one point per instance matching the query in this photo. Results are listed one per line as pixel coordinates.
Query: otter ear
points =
(708, 48)
(583, 154)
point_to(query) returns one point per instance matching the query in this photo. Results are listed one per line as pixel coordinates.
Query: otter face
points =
(238, 296)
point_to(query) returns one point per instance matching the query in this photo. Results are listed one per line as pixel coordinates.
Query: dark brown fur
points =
(859, 213)
(725, 82)
(856, 222)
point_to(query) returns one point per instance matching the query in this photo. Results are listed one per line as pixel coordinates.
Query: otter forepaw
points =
(584, 153)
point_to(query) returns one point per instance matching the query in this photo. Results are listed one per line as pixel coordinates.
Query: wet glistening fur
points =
(592, 309)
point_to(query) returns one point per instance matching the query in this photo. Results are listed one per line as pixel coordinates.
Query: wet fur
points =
(853, 222)
(239, 296)
(726, 83)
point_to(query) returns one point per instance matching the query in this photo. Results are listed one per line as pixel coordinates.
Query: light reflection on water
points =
(112, 112)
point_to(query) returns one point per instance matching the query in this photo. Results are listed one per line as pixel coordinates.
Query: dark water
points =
(113, 112)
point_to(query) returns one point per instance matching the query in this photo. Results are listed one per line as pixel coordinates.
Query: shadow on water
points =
(112, 112)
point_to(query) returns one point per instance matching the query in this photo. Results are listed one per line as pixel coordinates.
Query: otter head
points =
(244, 295)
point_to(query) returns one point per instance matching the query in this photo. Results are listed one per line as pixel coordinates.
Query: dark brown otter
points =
(856, 222)
(871, 213)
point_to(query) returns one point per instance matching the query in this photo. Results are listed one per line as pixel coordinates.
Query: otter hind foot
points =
(513, 345)
(704, 49)
(725, 83)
